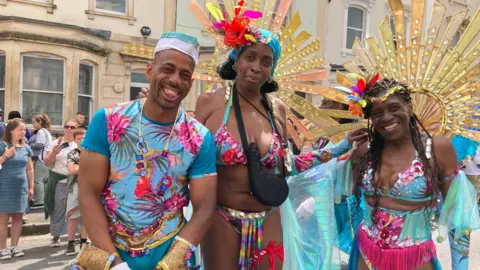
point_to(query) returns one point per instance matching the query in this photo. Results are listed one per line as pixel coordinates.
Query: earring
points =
(234, 67)
(269, 80)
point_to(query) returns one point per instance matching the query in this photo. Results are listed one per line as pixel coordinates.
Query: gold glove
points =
(177, 256)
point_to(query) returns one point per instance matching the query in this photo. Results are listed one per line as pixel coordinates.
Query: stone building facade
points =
(63, 56)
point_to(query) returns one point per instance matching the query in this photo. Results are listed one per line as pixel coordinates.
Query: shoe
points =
(5, 254)
(16, 252)
(55, 242)
(70, 249)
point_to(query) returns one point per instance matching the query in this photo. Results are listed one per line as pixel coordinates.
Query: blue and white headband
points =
(180, 42)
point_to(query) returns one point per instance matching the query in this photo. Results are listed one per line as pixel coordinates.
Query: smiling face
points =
(254, 65)
(170, 77)
(392, 118)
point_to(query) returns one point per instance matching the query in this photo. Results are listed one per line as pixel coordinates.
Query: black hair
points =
(226, 72)
(14, 114)
(373, 157)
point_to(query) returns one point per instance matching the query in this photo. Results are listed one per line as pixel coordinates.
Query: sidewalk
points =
(35, 225)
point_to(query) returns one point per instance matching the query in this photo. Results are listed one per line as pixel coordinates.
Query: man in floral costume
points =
(143, 161)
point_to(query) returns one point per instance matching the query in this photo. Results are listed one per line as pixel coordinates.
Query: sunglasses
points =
(69, 127)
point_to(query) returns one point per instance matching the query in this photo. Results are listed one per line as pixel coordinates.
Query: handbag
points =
(269, 189)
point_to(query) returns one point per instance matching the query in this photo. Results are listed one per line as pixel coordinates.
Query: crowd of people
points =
(157, 182)
(39, 172)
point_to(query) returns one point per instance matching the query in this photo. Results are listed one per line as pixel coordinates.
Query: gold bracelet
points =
(110, 260)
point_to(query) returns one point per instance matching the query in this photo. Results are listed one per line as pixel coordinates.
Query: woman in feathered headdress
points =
(252, 153)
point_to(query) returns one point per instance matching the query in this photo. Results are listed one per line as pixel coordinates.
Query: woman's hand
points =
(359, 135)
(359, 152)
(10, 152)
(56, 150)
(30, 194)
(143, 93)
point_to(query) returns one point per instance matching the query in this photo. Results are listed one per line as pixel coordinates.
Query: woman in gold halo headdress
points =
(413, 94)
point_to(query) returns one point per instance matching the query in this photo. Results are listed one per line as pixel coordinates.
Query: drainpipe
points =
(170, 16)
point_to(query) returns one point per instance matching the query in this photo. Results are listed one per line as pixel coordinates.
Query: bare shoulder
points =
(444, 153)
(208, 102)
(279, 107)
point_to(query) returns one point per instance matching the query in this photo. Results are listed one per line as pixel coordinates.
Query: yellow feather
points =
(215, 11)
(250, 37)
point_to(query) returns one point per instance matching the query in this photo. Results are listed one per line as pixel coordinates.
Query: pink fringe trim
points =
(397, 258)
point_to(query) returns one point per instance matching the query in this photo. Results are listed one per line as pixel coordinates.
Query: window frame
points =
(366, 6)
(92, 95)
(364, 30)
(4, 54)
(48, 4)
(21, 90)
(110, 11)
(129, 14)
(137, 84)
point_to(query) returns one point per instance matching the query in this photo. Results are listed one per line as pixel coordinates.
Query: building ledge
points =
(92, 13)
(84, 45)
(49, 5)
(140, 52)
(105, 35)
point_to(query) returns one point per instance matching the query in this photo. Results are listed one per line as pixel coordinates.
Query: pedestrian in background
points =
(39, 142)
(73, 211)
(2, 124)
(16, 185)
(80, 119)
(16, 114)
(56, 188)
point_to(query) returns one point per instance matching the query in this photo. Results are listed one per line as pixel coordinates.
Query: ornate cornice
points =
(83, 45)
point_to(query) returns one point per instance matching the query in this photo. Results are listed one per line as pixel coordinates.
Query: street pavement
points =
(39, 255)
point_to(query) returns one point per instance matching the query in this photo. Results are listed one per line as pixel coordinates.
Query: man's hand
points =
(143, 93)
(359, 135)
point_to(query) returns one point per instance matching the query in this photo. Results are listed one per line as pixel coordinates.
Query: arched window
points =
(86, 89)
(42, 86)
(356, 22)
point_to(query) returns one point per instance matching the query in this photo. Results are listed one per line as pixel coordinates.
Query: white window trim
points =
(48, 4)
(47, 56)
(128, 15)
(2, 53)
(366, 6)
(92, 95)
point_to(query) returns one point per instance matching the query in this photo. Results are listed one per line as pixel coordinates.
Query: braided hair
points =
(373, 158)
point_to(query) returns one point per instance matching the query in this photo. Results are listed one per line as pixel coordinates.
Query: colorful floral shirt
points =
(146, 184)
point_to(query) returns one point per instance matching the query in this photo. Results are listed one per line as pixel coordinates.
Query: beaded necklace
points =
(142, 145)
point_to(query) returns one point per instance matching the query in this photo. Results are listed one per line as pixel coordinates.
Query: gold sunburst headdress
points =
(442, 76)
(297, 68)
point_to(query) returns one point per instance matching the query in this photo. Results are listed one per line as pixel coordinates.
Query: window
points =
(42, 87)
(2, 80)
(117, 6)
(138, 81)
(85, 90)
(355, 26)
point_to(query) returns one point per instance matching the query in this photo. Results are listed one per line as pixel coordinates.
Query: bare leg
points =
(361, 263)
(83, 233)
(3, 230)
(16, 230)
(272, 231)
(221, 245)
(72, 228)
